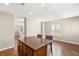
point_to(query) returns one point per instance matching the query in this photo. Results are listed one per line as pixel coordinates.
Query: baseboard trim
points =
(68, 42)
(6, 48)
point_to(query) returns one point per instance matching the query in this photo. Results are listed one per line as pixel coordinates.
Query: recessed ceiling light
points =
(6, 3)
(30, 12)
(42, 4)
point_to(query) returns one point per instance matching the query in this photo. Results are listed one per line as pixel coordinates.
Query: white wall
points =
(69, 29)
(33, 26)
(6, 30)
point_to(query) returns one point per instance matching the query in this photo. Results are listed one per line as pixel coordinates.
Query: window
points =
(56, 29)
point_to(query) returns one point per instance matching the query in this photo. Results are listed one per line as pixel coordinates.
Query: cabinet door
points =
(24, 53)
(29, 51)
(19, 48)
(24, 47)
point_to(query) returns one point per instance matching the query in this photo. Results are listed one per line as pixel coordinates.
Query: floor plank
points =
(8, 52)
(65, 49)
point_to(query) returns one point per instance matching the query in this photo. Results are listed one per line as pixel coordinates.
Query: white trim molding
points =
(7, 48)
(68, 41)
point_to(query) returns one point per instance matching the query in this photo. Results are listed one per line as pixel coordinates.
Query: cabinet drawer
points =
(24, 50)
(29, 51)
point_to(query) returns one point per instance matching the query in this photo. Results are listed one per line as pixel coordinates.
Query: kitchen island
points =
(32, 46)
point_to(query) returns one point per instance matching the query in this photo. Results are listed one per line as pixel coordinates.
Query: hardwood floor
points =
(59, 49)
(8, 52)
(65, 49)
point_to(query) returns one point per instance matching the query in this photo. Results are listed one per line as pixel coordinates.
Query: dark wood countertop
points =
(34, 42)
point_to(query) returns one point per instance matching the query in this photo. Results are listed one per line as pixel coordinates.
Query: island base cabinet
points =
(41, 52)
(24, 50)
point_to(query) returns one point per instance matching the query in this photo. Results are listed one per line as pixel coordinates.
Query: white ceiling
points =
(50, 10)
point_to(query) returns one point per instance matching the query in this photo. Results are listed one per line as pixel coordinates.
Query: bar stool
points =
(39, 35)
(48, 37)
